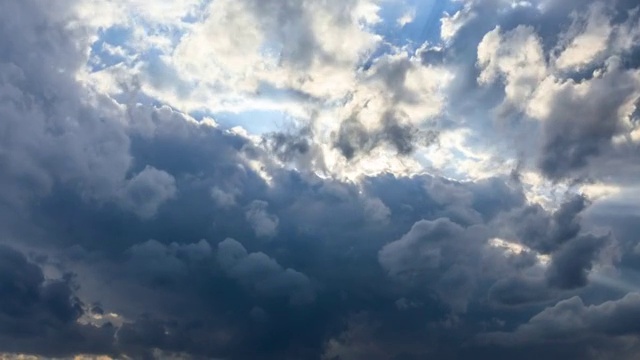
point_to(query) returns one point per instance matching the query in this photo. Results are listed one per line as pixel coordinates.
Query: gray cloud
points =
(581, 125)
(437, 254)
(560, 234)
(262, 274)
(222, 198)
(585, 327)
(353, 139)
(263, 223)
(570, 265)
(587, 110)
(520, 290)
(147, 190)
(386, 267)
(546, 232)
(41, 316)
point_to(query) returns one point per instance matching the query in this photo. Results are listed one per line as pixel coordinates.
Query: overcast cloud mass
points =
(330, 180)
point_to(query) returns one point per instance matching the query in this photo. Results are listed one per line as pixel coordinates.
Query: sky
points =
(319, 179)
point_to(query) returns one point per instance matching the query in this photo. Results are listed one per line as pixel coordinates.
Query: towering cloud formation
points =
(354, 179)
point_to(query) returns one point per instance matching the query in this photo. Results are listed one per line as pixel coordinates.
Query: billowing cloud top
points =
(335, 180)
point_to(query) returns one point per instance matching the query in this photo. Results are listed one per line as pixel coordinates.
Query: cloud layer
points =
(357, 179)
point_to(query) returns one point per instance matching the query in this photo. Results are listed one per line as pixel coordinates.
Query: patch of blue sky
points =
(271, 51)
(449, 172)
(255, 122)
(173, 33)
(257, 113)
(198, 14)
(267, 90)
(422, 24)
(101, 57)
(120, 37)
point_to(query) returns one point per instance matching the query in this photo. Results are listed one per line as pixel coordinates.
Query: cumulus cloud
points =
(584, 326)
(562, 94)
(263, 223)
(263, 274)
(438, 254)
(41, 316)
(146, 191)
(430, 174)
(516, 56)
(586, 40)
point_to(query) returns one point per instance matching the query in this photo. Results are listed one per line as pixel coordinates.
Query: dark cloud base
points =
(135, 231)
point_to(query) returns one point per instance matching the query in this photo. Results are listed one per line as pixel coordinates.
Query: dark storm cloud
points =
(143, 206)
(336, 231)
(572, 249)
(157, 264)
(571, 264)
(545, 232)
(263, 274)
(263, 223)
(437, 253)
(146, 191)
(619, 215)
(40, 316)
(607, 330)
(520, 290)
(54, 131)
(194, 294)
(448, 256)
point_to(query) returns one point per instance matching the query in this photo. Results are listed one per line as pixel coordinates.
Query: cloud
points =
(586, 39)
(274, 43)
(517, 56)
(146, 191)
(569, 267)
(424, 191)
(591, 329)
(353, 139)
(41, 316)
(263, 274)
(376, 210)
(520, 290)
(545, 232)
(222, 198)
(406, 255)
(570, 138)
(575, 132)
(263, 223)
(439, 253)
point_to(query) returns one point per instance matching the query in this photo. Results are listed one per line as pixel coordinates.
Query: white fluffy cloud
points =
(515, 56)
(586, 40)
